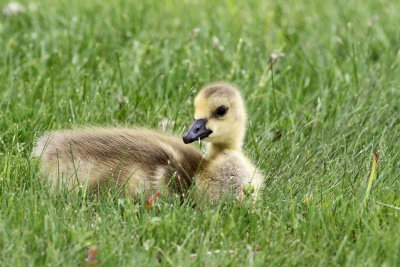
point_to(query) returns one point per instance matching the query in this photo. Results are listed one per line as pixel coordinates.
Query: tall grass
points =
(317, 114)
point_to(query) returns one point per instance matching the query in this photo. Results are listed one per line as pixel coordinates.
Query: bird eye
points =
(221, 111)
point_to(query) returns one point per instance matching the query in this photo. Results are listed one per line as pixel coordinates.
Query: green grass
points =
(333, 99)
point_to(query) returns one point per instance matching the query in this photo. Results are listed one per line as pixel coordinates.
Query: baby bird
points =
(145, 161)
(220, 120)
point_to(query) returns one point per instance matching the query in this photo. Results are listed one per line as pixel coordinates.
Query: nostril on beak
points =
(197, 129)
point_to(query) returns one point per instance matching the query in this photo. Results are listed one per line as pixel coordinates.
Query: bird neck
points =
(230, 142)
(214, 149)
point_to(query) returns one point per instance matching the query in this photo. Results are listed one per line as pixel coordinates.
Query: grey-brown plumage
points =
(139, 159)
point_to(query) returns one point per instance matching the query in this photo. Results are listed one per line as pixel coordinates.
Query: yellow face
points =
(220, 116)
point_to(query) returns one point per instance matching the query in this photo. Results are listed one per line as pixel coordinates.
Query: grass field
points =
(329, 100)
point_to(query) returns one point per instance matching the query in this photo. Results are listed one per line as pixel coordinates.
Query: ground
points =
(322, 85)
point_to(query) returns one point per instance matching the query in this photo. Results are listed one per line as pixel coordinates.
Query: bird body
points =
(144, 161)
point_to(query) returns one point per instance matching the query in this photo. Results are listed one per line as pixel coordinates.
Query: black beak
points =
(196, 131)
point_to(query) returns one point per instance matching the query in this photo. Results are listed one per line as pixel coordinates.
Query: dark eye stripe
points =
(221, 111)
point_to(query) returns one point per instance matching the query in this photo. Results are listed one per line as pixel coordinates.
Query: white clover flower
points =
(165, 123)
(194, 33)
(217, 44)
(275, 56)
(13, 8)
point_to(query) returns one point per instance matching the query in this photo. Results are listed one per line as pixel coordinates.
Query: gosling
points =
(221, 121)
(144, 161)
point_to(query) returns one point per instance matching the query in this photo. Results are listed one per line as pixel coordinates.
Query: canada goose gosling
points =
(144, 161)
(220, 120)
